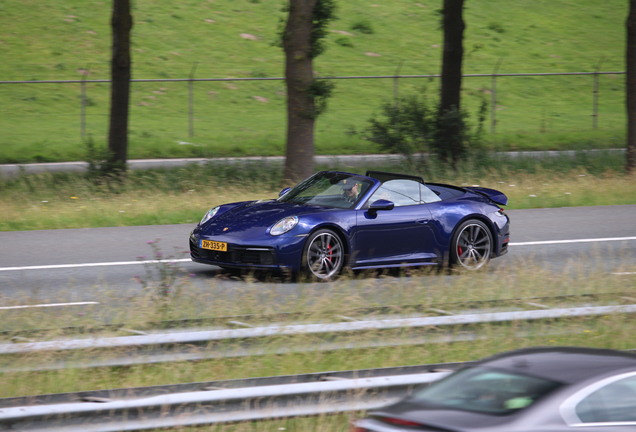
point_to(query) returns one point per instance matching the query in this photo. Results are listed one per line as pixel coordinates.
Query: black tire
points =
(471, 246)
(323, 256)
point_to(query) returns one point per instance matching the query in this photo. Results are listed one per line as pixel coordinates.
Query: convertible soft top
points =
(385, 176)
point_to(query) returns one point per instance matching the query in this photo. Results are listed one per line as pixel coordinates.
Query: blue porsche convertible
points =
(335, 220)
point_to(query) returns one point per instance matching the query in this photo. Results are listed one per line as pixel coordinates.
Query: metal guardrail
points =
(208, 344)
(458, 307)
(216, 402)
(307, 329)
(241, 400)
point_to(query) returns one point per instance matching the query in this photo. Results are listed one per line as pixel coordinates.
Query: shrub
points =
(410, 125)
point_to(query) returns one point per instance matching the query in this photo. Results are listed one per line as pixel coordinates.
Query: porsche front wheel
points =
(471, 246)
(323, 256)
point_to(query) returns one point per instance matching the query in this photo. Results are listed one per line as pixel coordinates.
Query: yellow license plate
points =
(214, 245)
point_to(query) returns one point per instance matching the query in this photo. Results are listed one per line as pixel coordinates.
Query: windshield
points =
(329, 189)
(485, 390)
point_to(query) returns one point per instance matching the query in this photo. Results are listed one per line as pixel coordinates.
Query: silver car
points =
(530, 390)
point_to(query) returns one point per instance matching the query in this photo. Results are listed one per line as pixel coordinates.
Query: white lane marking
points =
(123, 263)
(624, 273)
(99, 264)
(548, 242)
(48, 305)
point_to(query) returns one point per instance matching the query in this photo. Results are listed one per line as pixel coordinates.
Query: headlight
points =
(209, 215)
(284, 225)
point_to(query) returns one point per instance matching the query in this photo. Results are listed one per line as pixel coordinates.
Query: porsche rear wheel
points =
(324, 255)
(471, 246)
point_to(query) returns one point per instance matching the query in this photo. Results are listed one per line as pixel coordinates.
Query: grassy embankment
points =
(327, 302)
(324, 302)
(234, 38)
(51, 201)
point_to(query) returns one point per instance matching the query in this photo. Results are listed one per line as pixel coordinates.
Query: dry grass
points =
(573, 188)
(329, 302)
(80, 205)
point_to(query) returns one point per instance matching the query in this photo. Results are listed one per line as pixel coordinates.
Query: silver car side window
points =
(615, 402)
(609, 401)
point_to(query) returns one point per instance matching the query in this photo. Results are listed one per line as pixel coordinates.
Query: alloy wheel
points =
(325, 255)
(472, 245)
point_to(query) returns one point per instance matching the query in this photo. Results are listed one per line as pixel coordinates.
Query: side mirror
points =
(284, 191)
(381, 204)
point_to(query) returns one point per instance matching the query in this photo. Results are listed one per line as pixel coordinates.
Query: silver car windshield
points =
(484, 390)
(329, 189)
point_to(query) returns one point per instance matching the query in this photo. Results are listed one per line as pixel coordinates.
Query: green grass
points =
(49, 40)
(324, 302)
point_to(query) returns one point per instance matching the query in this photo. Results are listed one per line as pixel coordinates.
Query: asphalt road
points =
(78, 265)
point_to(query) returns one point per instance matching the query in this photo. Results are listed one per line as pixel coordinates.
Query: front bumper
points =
(275, 256)
(236, 256)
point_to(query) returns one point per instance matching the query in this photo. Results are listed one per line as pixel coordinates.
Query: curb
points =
(15, 170)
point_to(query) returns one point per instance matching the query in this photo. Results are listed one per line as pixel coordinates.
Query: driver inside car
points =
(350, 191)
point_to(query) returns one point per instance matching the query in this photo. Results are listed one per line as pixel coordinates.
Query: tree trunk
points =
(630, 88)
(120, 84)
(301, 110)
(449, 115)
(450, 94)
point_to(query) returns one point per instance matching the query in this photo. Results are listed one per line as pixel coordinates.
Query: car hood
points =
(253, 216)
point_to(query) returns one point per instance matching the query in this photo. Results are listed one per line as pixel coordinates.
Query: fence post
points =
(396, 85)
(493, 97)
(83, 103)
(191, 101)
(595, 95)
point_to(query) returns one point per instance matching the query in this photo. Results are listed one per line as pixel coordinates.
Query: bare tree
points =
(449, 116)
(301, 40)
(121, 24)
(630, 96)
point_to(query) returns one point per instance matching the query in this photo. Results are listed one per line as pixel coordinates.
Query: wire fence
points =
(200, 113)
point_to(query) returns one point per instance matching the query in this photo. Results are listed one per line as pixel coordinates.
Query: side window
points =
(404, 193)
(400, 192)
(615, 402)
(427, 195)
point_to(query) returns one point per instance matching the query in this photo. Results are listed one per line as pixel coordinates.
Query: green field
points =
(49, 40)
